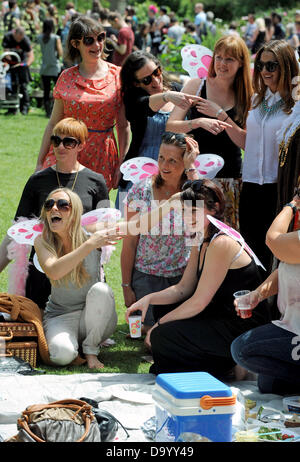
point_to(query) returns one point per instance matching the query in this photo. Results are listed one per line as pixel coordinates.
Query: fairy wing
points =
(138, 168)
(196, 60)
(208, 165)
(109, 215)
(25, 232)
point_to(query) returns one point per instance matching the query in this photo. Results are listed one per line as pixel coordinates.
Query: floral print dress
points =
(97, 103)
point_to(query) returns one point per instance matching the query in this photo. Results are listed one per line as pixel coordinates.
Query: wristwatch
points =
(292, 207)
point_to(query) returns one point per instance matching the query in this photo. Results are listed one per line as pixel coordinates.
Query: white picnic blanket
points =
(127, 396)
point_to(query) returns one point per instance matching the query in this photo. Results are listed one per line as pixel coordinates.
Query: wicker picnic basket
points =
(20, 340)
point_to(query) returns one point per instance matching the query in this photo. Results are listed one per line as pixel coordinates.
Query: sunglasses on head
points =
(61, 204)
(148, 79)
(68, 142)
(271, 66)
(195, 185)
(88, 41)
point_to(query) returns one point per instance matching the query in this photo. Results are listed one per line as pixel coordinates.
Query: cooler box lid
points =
(189, 385)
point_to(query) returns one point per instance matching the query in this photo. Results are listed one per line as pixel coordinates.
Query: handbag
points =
(67, 421)
(108, 424)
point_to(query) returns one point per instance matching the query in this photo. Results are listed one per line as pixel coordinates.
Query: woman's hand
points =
(107, 236)
(129, 296)
(191, 152)
(141, 305)
(147, 341)
(213, 126)
(182, 100)
(255, 299)
(208, 107)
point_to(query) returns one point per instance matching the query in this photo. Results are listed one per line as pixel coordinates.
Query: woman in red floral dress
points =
(91, 92)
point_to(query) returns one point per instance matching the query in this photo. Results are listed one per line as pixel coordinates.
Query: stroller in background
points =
(9, 87)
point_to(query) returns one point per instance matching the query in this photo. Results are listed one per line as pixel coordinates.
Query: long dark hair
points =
(207, 191)
(133, 63)
(288, 68)
(175, 139)
(48, 29)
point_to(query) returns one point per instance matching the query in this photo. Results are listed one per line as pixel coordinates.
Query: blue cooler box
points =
(192, 406)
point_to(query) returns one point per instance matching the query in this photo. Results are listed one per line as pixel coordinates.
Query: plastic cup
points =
(135, 325)
(243, 302)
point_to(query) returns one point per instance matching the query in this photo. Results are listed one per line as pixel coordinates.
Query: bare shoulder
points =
(192, 86)
(223, 245)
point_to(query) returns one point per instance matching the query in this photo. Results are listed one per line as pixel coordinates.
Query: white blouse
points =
(261, 150)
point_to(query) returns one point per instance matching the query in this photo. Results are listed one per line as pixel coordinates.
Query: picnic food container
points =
(193, 403)
(292, 404)
(20, 340)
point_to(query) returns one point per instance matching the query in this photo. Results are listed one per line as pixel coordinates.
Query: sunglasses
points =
(88, 41)
(61, 204)
(271, 66)
(195, 185)
(148, 79)
(68, 142)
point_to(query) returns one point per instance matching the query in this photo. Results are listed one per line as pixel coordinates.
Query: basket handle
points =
(9, 353)
(207, 402)
(9, 335)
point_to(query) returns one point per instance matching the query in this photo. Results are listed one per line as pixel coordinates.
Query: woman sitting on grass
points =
(195, 319)
(80, 310)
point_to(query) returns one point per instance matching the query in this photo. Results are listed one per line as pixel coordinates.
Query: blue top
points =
(156, 126)
(188, 385)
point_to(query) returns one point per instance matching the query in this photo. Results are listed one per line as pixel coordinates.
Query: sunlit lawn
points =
(20, 139)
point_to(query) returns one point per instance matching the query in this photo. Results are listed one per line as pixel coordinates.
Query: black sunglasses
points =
(148, 79)
(88, 41)
(68, 142)
(61, 204)
(195, 185)
(271, 66)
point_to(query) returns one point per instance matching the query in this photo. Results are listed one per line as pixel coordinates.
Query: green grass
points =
(20, 141)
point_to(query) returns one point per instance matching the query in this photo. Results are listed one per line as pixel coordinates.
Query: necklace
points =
(59, 183)
(268, 111)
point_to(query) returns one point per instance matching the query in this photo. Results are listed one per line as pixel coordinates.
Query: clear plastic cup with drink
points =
(243, 303)
(135, 325)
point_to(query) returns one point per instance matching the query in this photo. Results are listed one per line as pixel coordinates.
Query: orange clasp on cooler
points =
(207, 402)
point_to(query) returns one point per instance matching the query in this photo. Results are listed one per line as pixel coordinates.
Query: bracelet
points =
(219, 112)
(293, 207)
(191, 169)
(125, 285)
(164, 97)
(225, 119)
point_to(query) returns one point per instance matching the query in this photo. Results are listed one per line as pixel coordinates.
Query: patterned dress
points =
(97, 103)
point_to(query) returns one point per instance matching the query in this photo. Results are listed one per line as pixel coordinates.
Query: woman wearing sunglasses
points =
(275, 67)
(68, 139)
(90, 91)
(218, 120)
(80, 310)
(195, 318)
(149, 97)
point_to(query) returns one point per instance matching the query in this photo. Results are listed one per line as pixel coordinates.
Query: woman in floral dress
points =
(90, 91)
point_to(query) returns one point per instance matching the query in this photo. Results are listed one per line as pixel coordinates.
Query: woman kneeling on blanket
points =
(273, 351)
(80, 309)
(195, 319)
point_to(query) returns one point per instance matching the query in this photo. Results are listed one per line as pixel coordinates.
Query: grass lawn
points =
(20, 141)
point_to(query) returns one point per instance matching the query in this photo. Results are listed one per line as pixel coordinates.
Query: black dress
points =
(202, 343)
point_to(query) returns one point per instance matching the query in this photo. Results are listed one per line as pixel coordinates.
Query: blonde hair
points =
(288, 69)
(235, 47)
(72, 127)
(53, 243)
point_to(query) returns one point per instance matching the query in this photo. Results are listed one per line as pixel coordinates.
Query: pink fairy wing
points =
(137, 169)
(196, 60)
(208, 165)
(101, 214)
(25, 232)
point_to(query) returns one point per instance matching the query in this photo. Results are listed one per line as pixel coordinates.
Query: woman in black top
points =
(149, 97)
(67, 172)
(196, 319)
(218, 121)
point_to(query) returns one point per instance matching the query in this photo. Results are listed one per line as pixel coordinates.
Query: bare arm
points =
(59, 48)
(4, 260)
(56, 116)
(284, 245)
(128, 254)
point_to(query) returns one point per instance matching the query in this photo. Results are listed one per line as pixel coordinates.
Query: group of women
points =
(191, 323)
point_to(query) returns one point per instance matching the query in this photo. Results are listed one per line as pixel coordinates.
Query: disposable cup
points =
(135, 325)
(243, 302)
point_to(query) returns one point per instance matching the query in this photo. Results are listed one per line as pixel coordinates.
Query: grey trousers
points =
(88, 327)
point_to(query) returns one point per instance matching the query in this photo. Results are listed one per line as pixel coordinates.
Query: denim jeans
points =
(269, 351)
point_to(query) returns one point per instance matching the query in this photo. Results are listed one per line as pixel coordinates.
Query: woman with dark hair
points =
(195, 319)
(90, 91)
(149, 97)
(142, 38)
(51, 49)
(151, 262)
(218, 120)
(275, 67)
